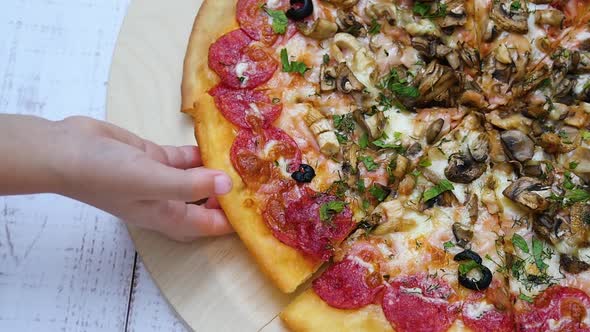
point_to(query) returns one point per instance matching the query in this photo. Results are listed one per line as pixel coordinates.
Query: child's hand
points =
(141, 182)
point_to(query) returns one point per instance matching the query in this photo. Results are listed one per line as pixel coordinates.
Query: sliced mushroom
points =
(342, 42)
(523, 191)
(423, 27)
(433, 130)
(372, 124)
(322, 130)
(517, 145)
(346, 82)
(343, 3)
(479, 147)
(472, 206)
(551, 17)
(470, 56)
(463, 234)
(490, 32)
(349, 23)
(434, 82)
(425, 46)
(572, 264)
(328, 76)
(320, 29)
(350, 153)
(567, 229)
(509, 20)
(463, 168)
(387, 11)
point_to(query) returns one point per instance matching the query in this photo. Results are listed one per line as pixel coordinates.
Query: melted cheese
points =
(398, 121)
(477, 310)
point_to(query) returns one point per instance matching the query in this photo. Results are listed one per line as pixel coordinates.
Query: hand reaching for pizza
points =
(110, 168)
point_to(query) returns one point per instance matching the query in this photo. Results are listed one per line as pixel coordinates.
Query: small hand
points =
(143, 183)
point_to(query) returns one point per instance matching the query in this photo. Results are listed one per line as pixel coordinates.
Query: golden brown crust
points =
(310, 313)
(285, 266)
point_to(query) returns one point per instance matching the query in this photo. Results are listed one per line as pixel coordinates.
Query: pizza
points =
(424, 163)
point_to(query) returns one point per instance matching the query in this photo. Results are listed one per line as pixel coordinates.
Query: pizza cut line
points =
(434, 155)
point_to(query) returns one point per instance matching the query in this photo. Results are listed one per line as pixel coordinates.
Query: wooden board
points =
(213, 284)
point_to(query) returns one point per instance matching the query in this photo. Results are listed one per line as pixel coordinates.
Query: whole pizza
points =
(433, 156)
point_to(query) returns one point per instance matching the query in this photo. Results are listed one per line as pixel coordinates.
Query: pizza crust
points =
(284, 265)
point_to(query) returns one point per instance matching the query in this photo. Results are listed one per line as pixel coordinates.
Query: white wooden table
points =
(65, 266)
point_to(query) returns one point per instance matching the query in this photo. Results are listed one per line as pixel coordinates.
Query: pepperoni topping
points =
(420, 303)
(299, 224)
(255, 155)
(482, 316)
(255, 21)
(349, 284)
(557, 309)
(246, 108)
(239, 62)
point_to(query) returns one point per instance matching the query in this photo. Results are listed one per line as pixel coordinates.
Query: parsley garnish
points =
(327, 210)
(326, 59)
(370, 164)
(279, 20)
(538, 254)
(341, 138)
(378, 192)
(441, 187)
(423, 9)
(364, 141)
(360, 185)
(398, 86)
(519, 242)
(574, 164)
(448, 245)
(577, 195)
(375, 27)
(344, 123)
(515, 5)
(525, 298)
(585, 134)
(293, 66)
(464, 268)
(425, 162)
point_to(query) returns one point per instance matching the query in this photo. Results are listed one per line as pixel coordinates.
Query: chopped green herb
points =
(515, 5)
(375, 27)
(416, 173)
(279, 20)
(448, 245)
(519, 242)
(585, 134)
(241, 79)
(577, 195)
(360, 185)
(344, 123)
(424, 10)
(341, 138)
(292, 66)
(464, 268)
(567, 181)
(573, 164)
(425, 162)
(525, 298)
(370, 164)
(398, 86)
(364, 141)
(421, 8)
(326, 59)
(442, 186)
(378, 192)
(366, 205)
(338, 188)
(538, 254)
(327, 210)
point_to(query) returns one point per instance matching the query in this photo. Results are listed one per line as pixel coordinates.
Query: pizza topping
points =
(556, 309)
(420, 303)
(328, 76)
(351, 283)
(256, 20)
(481, 316)
(551, 17)
(346, 81)
(483, 276)
(462, 168)
(462, 233)
(434, 130)
(254, 155)
(300, 9)
(509, 18)
(347, 22)
(240, 63)
(572, 264)
(525, 191)
(322, 130)
(292, 66)
(304, 174)
(246, 108)
(314, 224)
(518, 145)
(467, 255)
(319, 29)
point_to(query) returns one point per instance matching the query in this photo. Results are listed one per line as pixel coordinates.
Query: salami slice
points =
(299, 224)
(349, 284)
(254, 155)
(420, 303)
(254, 20)
(246, 108)
(557, 309)
(239, 62)
(481, 316)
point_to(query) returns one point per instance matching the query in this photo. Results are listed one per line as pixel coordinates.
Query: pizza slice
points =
(424, 259)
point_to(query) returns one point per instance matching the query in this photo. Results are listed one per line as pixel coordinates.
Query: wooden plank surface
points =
(65, 266)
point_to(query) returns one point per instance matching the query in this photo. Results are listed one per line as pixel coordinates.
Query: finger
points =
(183, 157)
(158, 181)
(207, 222)
(212, 203)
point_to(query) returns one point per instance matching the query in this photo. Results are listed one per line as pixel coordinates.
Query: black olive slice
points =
(466, 255)
(477, 285)
(300, 9)
(304, 173)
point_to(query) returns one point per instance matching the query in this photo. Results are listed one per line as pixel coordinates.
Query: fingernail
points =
(222, 184)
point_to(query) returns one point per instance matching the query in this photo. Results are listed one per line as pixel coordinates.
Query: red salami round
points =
(246, 108)
(240, 63)
(299, 224)
(254, 20)
(481, 316)
(420, 303)
(253, 154)
(348, 284)
(556, 309)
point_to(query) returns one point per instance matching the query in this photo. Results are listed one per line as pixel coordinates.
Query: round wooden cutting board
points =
(213, 284)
